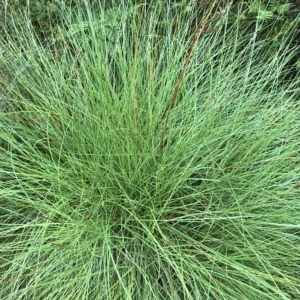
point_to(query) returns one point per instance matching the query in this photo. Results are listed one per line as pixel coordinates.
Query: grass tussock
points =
(129, 172)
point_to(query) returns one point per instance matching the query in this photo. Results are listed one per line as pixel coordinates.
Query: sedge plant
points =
(148, 151)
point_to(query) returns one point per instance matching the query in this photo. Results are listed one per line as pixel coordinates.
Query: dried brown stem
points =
(198, 32)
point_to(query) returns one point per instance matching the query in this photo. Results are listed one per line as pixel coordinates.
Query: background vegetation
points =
(45, 17)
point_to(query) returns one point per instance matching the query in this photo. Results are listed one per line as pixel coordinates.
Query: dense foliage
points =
(143, 159)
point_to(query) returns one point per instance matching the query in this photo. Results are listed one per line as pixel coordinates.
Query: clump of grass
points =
(134, 166)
